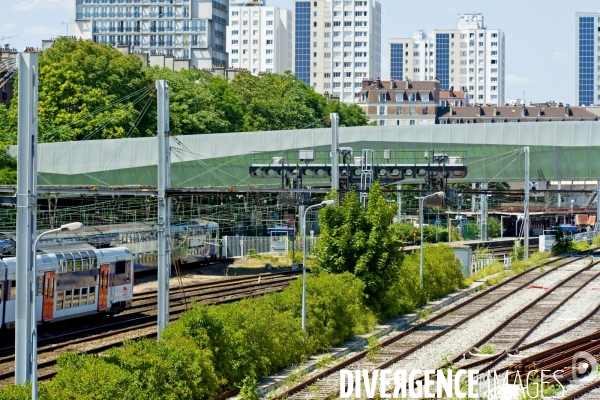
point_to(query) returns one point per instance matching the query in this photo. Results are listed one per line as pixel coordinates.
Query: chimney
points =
(379, 83)
(407, 83)
(392, 84)
(451, 111)
(567, 110)
(524, 111)
(366, 83)
(495, 111)
(451, 92)
(479, 111)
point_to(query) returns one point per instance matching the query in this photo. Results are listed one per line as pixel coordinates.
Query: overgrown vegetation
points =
(563, 241)
(214, 348)
(365, 243)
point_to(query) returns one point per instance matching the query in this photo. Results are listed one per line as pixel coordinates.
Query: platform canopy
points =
(493, 152)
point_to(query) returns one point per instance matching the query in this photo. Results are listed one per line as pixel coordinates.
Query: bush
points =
(442, 275)
(596, 241)
(563, 242)
(215, 348)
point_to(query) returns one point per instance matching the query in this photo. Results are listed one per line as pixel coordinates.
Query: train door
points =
(103, 288)
(49, 286)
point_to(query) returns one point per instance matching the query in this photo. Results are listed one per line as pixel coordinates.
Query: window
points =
(494, 79)
(494, 53)
(481, 44)
(494, 70)
(336, 84)
(412, 97)
(236, 32)
(336, 74)
(412, 122)
(424, 110)
(494, 35)
(347, 23)
(425, 97)
(235, 13)
(412, 110)
(347, 44)
(269, 23)
(381, 110)
(382, 96)
(269, 33)
(348, 74)
(494, 88)
(269, 41)
(269, 61)
(347, 85)
(494, 62)
(337, 23)
(494, 44)
(360, 14)
(360, 23)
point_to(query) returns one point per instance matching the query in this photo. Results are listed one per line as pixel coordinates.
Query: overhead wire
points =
(87, 137)
(122, 145)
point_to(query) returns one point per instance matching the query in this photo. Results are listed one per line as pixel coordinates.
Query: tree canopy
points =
(92, 91)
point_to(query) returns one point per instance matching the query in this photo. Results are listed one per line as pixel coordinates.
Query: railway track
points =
(326, 383)
(88, 339)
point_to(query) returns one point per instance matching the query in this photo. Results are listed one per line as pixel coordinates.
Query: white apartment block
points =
(259, 37)
(337, 44)
(469, 58)
(188, 29)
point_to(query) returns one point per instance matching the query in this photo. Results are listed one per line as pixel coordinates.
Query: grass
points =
(486, 349)
(482, 273)
(423, 314)
(325, 361)
(374, 348)
(581, 246)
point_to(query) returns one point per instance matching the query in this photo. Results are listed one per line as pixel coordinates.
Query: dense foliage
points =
(367, 244)
(214, 348)
(80, 81)
(361, 242)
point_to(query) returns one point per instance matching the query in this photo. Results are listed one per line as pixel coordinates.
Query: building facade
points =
(507, 114)
(469, 58)
(188, 29)
(259, 37)
(397, 102)
(337, 44)
(587, 33)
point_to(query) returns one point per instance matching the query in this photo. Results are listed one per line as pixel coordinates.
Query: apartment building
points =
(188, 29)
(587, 64)
(469, 58)
(259, 37)
(397, 102)
(337, 44)
(508, 114)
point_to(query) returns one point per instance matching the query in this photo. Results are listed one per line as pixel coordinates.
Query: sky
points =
(540, 35)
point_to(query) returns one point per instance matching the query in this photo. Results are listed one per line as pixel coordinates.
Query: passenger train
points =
(191, 241)
(72, 284)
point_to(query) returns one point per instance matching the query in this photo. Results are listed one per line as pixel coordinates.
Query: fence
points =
(238, 246)
(547, 241)
(482, 261)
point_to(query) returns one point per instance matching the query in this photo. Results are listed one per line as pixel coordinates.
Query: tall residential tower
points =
(469, 58)
(190, 29)
(259, 37)
(337, 44)
(587, 89)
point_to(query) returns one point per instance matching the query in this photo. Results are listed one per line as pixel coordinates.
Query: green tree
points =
(361, 242)
(350, 114)
(196, 102)
(79, 77)
(276, 102)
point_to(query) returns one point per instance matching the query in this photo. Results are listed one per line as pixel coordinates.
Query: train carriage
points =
(72, 284)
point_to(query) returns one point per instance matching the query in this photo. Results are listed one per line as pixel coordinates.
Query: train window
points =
(39, 285)
(1, 292)
(84, 296)
(78, 265)
(76, 298)
(120, 267)
(63, 265)
(128, 271)
(92, 297)
(93, 263)
(13, 290)
(52, 288)
(68, 297)
(59, 300)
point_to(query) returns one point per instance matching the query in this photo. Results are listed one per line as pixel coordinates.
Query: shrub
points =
(562, 243)
(442, 275)
(596, 241)
(361, 242)
(252, 253)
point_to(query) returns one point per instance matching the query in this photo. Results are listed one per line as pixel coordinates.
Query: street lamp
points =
(73, 226)
(421, 201)
(326, 203)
